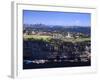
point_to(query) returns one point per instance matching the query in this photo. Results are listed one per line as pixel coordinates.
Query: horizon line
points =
(58, 25)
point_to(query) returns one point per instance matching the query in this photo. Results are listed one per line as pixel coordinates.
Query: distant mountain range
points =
(80, 29)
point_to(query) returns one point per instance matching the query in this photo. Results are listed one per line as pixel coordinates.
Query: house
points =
(57, 36)
(33, 32)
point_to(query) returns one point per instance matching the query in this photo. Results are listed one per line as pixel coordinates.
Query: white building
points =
(33, 32)
(57, 36)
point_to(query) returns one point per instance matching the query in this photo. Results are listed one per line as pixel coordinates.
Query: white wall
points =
(5, 40)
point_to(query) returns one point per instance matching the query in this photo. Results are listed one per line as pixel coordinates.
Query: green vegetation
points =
(38, 37)
(76, 40)
(49, 38)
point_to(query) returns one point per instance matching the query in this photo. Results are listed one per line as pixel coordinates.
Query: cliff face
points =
(45, 50)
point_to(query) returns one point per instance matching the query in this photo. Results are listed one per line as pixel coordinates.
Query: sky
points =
(56, 18)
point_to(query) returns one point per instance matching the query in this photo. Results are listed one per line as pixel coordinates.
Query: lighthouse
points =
(68, 35)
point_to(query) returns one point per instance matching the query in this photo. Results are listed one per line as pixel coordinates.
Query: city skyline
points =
(56, 18)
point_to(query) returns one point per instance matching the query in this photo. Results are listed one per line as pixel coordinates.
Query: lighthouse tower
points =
(68, 35)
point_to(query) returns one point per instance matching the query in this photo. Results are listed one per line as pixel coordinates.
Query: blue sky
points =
(56, 18)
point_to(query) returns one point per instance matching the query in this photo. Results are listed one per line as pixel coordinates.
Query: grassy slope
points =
(46, 38)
